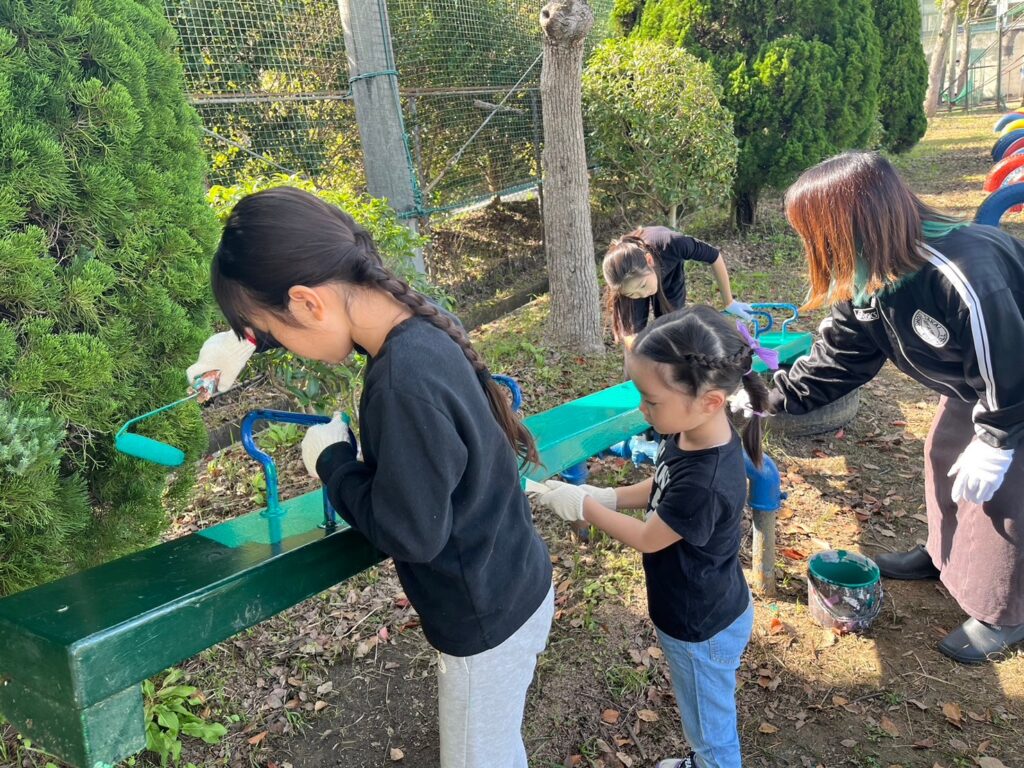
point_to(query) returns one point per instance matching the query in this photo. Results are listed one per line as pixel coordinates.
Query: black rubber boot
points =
(975, 642)
(910, 566)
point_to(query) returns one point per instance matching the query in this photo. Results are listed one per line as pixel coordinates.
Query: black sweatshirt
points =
(438, 490)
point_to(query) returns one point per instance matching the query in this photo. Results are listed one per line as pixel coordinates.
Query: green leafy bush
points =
(658, 134)
(800, 76)
(904, 74)
(104, 241)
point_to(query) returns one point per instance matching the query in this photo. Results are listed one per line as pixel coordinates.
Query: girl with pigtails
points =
(685, 365)
(438, 487)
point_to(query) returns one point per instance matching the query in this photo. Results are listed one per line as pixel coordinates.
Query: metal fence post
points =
(374, 82)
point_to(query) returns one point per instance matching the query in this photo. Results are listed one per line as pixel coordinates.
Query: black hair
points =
(702, 349)
(282, 237)
(625, 259)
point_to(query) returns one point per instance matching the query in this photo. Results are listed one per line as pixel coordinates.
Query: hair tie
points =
(768, 356)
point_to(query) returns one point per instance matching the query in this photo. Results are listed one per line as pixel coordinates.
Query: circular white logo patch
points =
(930, 330)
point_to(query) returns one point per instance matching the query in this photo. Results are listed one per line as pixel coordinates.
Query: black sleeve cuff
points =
(332, 457)
(776, 401)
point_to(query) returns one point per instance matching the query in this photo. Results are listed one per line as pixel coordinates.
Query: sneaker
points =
(690, 761)
(911, 566)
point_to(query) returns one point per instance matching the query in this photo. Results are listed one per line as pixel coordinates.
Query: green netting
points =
(270, 82)
(469, 78)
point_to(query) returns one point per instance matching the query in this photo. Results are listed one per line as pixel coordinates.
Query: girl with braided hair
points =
(438, 487)
(685, 365)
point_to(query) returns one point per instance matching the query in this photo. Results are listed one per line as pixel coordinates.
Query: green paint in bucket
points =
(844, 590)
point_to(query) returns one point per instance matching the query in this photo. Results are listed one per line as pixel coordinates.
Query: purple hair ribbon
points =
(768, 356)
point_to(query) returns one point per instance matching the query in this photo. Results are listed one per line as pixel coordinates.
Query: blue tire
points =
(1003, 143)
(1006, 119)
(996, 204)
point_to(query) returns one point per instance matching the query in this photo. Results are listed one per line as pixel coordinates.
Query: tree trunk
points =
(937, 66)
(745, 209)
(574, 322)
(673, 216)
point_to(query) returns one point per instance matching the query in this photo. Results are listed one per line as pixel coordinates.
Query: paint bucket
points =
(844, 590)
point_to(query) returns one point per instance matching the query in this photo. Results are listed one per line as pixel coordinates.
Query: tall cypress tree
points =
(904, 73)
(800, 76)
(104, 298)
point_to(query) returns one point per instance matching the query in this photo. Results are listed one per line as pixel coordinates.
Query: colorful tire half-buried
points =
(996, 204)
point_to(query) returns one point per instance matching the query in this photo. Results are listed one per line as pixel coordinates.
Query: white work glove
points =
(566, 500)
(320, 437)
(743, 311)
(739, 402)
(979, 472)
(223, 352)
(604, 496)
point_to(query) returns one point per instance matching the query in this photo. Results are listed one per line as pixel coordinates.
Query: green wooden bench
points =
(75, 651)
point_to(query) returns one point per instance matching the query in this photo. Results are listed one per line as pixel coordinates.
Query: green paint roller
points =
(148, 449)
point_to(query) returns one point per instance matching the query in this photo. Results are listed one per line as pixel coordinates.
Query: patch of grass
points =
(624, 681)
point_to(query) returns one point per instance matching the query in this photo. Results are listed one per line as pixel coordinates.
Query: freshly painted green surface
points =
(789, 344)
(78, 647)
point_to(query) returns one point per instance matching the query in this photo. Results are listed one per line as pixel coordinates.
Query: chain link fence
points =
(269, 79)
(984, 63)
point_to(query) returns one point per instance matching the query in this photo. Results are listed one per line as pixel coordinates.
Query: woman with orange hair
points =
(943, 300)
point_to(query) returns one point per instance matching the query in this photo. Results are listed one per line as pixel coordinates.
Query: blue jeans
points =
(704, 680)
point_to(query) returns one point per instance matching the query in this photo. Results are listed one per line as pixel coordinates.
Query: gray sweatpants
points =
(481, 698)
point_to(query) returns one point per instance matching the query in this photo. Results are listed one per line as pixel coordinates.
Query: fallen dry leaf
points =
(625, 759)
(397, 754)
(611, 716)
(990, 762)
(648, 715)
(920, 705)
(255, 740)
(839, 701)
(953, 715)
(890, 727)
(848, 743)
(776, 626)
(319, 706)
(325, 688)
(767, 728)
(793, 554)
(655, 652)
(924, 744)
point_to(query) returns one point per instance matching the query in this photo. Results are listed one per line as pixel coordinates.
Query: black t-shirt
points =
(671, 248)
(438, 490)
(695, 587)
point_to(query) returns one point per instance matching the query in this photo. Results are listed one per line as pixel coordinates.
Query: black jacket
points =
(439, 491)
(956, 326)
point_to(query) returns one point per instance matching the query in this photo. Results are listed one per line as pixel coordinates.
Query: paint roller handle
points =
(270, 469)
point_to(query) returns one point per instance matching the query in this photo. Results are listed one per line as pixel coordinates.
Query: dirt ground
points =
(346, 678)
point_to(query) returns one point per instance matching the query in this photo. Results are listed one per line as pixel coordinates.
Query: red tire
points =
(999, 171)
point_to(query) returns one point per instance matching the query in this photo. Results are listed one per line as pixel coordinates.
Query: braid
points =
(519, 437)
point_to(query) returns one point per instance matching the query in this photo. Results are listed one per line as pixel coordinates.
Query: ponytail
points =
(753, 431)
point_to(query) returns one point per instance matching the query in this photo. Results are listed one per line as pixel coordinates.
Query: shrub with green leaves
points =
(800, 76)
(104, 298)
(904, 74)
(661, 140)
